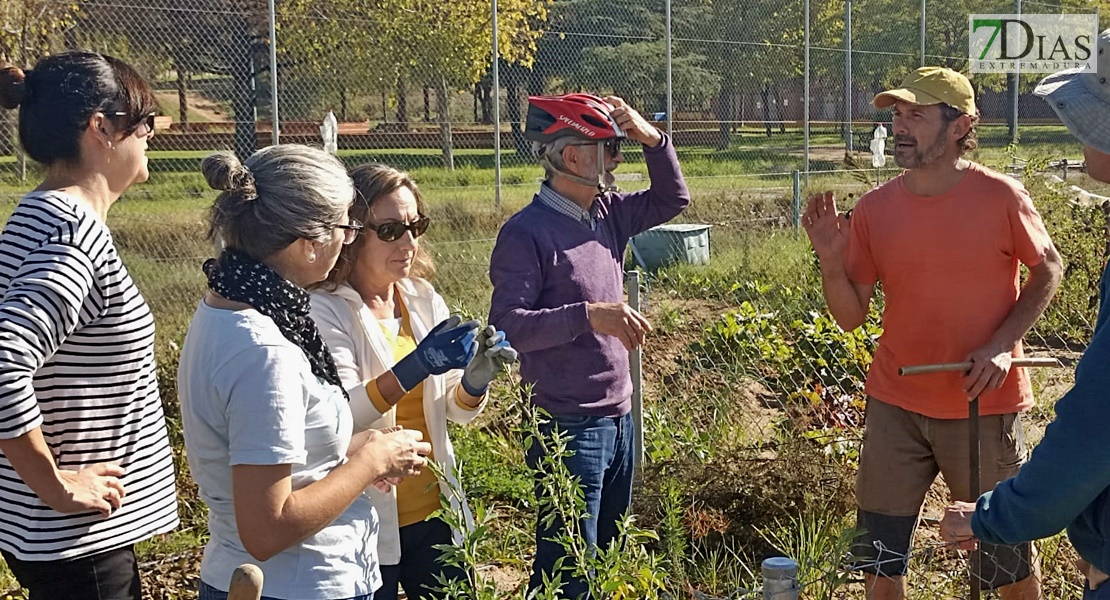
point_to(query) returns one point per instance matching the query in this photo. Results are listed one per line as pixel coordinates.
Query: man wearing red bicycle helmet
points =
(557, 273)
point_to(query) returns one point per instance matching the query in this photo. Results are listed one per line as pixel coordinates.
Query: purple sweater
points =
(546, 266)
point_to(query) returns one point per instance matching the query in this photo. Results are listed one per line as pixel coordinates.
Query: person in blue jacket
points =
(1066, 482)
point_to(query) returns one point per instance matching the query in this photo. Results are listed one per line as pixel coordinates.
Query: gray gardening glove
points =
(494, 352)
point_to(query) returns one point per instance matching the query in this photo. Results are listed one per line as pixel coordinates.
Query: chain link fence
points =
(750, 388)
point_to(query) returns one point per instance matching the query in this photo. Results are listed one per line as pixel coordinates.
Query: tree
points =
(29, 30)
(393, 44)
(218, 37)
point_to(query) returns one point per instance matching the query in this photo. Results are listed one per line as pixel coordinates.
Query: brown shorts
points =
(901, 456)
(903, 452)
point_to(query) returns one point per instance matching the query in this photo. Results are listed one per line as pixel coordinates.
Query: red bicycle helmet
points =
(579, 115)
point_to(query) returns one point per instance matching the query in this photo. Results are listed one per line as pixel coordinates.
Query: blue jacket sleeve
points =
(664, 200)
(1067, 470)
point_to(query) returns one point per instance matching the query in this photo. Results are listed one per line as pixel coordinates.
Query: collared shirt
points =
(564, 205)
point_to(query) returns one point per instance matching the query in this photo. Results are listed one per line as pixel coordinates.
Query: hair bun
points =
(13, 86)
(223, 171)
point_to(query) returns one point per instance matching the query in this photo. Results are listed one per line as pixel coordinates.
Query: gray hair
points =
(280, 194)
(553, 153)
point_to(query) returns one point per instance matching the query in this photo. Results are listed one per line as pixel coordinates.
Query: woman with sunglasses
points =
(85, 464)
(268, 430)
(377, 312)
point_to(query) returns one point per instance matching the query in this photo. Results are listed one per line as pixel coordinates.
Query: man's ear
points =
(570, 155)
(961, 126)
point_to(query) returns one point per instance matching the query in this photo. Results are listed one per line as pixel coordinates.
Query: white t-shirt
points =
(248, 396)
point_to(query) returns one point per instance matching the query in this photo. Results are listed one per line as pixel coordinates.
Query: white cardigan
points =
(362, 353)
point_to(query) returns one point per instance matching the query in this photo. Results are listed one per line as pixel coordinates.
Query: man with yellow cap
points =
(945, 238)
(1066, 482)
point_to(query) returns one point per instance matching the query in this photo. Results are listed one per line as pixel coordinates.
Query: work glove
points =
(449, 345)
(494, 353)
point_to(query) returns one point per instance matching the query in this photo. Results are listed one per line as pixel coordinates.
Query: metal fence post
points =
(848, 75)
(797, 220)
(670, 90)
(805, 95)
(496, 113)
(921, 33)
(635, 363)
(276, 135)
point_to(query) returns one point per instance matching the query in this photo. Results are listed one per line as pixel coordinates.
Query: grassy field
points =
(752, 397)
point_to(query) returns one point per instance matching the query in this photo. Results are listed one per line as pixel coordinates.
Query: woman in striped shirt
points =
(85, 464)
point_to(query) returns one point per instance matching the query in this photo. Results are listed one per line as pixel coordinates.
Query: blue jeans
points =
(1102, 593)
(602, 461)
(208, 592)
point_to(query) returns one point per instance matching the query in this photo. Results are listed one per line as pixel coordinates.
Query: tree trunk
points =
(724, 117)
(427, 108)
(486, 87)
(512, 111)
(443, 113)
(342, 103)
(183, 97)
(402, 102)
(245, 102)
(1011, 106)
(477, 95)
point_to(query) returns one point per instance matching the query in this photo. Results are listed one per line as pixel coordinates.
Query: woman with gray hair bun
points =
(268, 431)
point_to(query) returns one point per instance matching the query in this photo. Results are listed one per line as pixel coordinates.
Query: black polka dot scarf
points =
(240, 278)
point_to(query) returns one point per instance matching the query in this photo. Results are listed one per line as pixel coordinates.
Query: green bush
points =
(809, 358)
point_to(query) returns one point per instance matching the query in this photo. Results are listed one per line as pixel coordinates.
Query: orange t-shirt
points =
(949, 271)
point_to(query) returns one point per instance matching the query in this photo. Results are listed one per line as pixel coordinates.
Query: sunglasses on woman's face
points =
(393, 230)
(147, 122)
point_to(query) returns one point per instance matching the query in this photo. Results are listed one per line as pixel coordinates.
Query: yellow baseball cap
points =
(932, 85)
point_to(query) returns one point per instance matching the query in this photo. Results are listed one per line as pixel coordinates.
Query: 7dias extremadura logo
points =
(1031, 43)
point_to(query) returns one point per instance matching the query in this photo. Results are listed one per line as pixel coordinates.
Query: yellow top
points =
(417, 497)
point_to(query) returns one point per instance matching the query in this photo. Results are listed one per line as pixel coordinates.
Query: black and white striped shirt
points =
(77, 360)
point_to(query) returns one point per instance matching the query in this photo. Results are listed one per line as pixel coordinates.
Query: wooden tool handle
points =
(246, 583)
(964, 366)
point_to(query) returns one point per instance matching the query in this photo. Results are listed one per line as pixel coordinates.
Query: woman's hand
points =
(93, 488)
(494, 354)
(392, 455)
(449, 345)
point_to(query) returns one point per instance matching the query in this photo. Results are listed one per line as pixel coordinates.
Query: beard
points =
(916, 157)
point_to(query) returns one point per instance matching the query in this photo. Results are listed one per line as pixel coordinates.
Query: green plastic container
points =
(671, 243)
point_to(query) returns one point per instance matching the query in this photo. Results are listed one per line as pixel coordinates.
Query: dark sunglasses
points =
(613, 145)
(147, 121)
(392, 231)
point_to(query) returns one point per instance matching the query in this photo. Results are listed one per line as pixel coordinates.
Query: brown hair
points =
(57, 98)
(372, 181)
(970, 140)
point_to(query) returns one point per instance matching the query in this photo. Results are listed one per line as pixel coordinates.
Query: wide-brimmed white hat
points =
(1082, 100)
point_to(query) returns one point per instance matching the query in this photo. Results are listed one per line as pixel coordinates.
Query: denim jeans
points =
(208, 592)
(109, 575)
(602, 461)
(1102, 593)
(420, 563)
